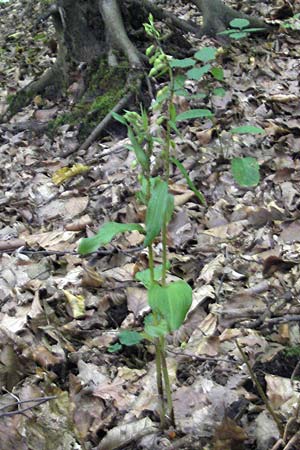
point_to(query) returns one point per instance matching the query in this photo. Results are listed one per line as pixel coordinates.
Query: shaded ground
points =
(240, 255)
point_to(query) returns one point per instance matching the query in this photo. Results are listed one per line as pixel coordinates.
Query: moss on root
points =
(105, 87)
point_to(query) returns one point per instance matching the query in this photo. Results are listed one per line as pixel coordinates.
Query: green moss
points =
(105, 89)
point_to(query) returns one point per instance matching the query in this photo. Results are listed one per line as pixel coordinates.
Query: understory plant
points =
(169, 301)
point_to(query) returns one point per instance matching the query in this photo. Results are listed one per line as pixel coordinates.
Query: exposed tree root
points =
(217, 16)
(166, 16)
(51, 81)
(116, 33)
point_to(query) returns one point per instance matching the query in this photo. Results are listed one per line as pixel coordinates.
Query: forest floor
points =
(240, 254)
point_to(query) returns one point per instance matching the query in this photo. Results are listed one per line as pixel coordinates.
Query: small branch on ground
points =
(37, 402)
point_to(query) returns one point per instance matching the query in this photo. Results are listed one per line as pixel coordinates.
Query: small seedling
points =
(239, 29)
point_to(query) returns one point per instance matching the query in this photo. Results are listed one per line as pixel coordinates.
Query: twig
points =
(260, 389)
(39, 401)
(201, 358)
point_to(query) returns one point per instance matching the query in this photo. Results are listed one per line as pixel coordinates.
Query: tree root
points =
(217, 17)
(51, 81)
(116, 33)
(166, 16)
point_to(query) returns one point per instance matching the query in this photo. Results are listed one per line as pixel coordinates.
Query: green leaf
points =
(198, 96)
(129, 338)
(114, 347)
(144, 276)
(206, 54)
(179, 81)
(220, 92)
(138, 150)
(194, 114)
(247, 129)
(191, 185)
(197, 72)
(172, 302)
(239, 23)
(174, 127)
(155, 327)
(239, 35)
(217, 73)
(160, 209)
(245, 171)
(182, 63)
(106, 233)
(119, 118)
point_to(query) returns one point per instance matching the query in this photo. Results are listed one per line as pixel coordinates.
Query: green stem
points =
(151, 262)
(159, 383)
(167, 381)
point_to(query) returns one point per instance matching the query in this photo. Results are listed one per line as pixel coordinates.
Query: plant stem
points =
(167, 381)
(159, 383)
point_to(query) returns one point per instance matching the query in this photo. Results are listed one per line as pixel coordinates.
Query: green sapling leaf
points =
(138, 150)
(155, 327)
(217, 73)
(144, 276)
(129, 338)
(160, 209)
(197, 72)
(182, 63)
(104, 236)
(245, 171)
(191, 185)
(247, 129)
(119, 118)
(194, 114)
(172, 302)
(114, 347)
(206, 54)
(239, 23)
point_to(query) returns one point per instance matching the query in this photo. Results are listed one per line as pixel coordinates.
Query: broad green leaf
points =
(247, 129)
(142, 193)
(179, 81)
(197, 72)
(119, 118)
(138, 150)
(194, 114)
(182, 63)
(220, 92)
(217, 73)
(181, 92)
(245, 171)
(191, 185)
(199, 96)
(174, 127)
(154, 327)
(206, 54)
(106, 233)
(172, 111)
(114, 347)
(144, 276)
(129, 338)
(159, 209)
(239, 23)
(239, 35)
(172, 302)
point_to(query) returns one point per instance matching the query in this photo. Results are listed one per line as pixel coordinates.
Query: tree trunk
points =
(89, 32)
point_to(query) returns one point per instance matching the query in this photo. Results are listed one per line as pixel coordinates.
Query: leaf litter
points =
(59, 313)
